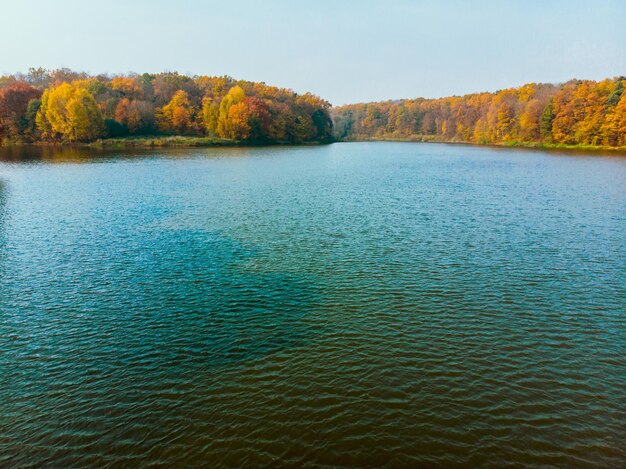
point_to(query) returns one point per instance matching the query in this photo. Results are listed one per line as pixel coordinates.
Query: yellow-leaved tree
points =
(620, 121)
(70, 112)
(233, 120)
(613, 130)
(210, 115)
(239, 121)
(529, 120)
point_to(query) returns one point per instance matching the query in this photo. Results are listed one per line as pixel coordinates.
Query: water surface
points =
(361, 304)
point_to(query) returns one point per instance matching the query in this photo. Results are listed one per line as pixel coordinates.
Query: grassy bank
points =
(155, 141)
(160, 141)
(144, 141)
(510, 144)
(182, 141)
(561, 146)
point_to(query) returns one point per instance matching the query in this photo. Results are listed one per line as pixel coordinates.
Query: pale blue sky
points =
(345, 51)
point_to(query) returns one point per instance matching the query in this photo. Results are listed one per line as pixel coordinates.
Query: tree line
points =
(579, 112)
(66, 106)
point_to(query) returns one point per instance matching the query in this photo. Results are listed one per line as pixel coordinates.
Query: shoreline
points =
(155, 141)
(183, 141)
(511, 145)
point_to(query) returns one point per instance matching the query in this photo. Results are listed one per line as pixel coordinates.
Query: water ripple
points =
(375, 305)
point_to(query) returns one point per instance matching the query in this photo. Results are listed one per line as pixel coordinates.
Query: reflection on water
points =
(49, 153)
(352, 304)
(3, 248)
(82, 154)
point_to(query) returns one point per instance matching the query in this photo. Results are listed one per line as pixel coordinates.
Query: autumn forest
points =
(584, 113)
(65, 106)
(60, 106)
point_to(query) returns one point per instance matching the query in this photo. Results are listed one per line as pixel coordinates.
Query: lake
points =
(354, 304)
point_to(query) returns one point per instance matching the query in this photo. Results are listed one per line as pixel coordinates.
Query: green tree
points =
(545, 122)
